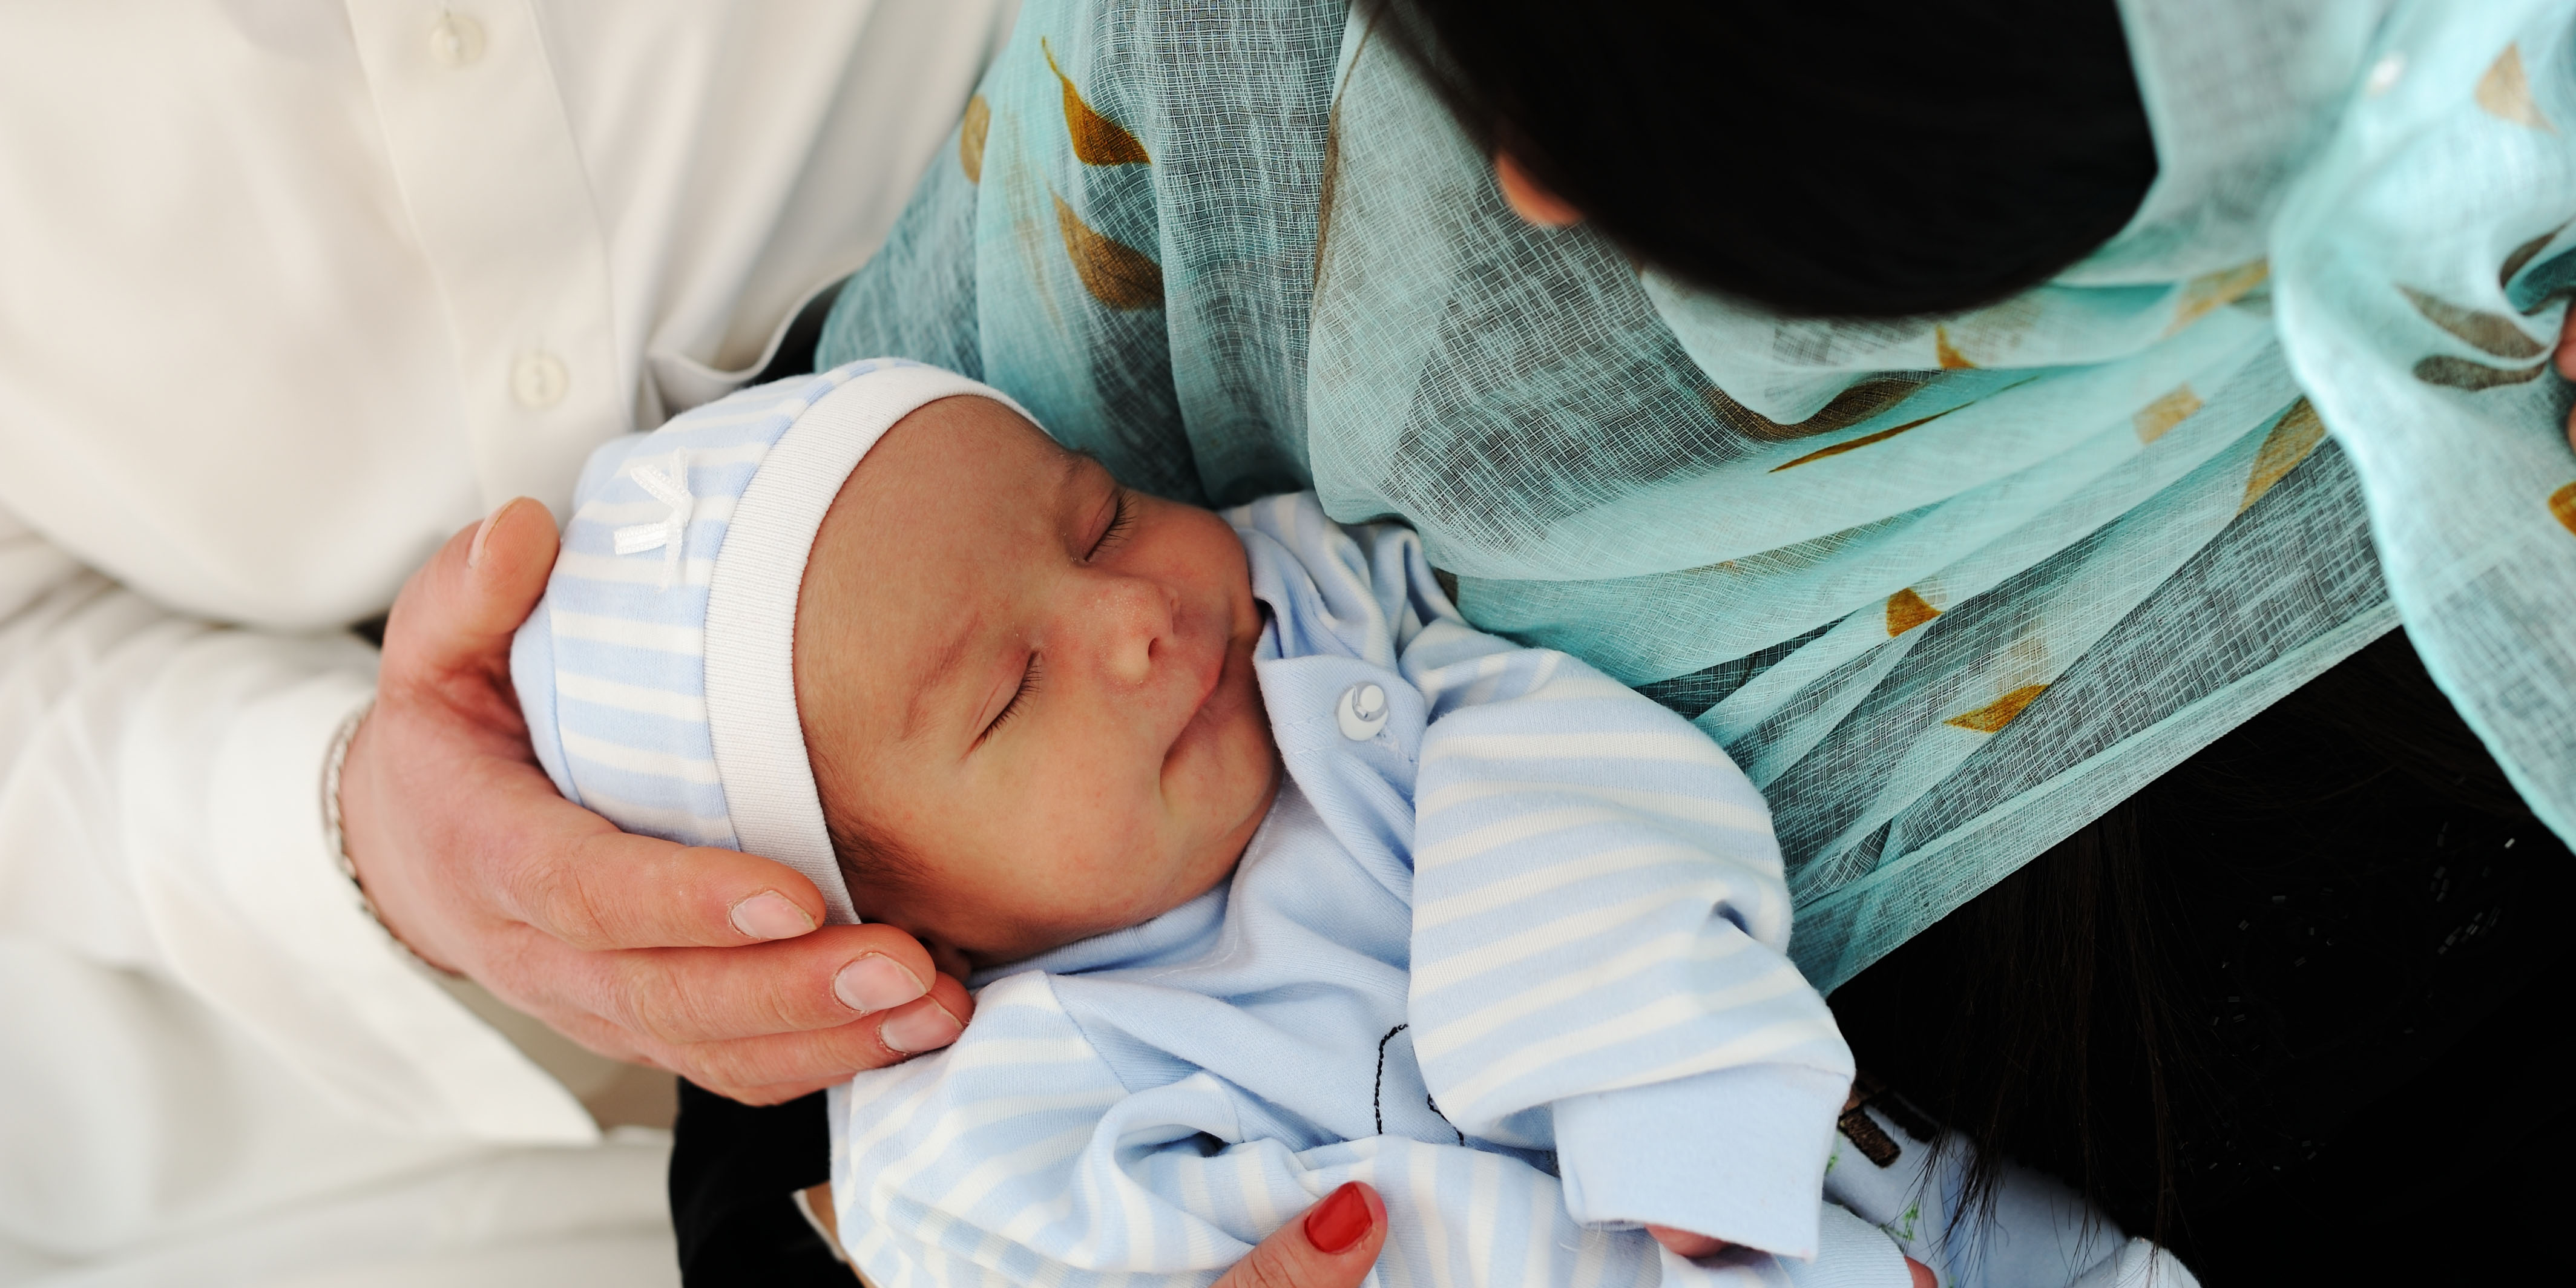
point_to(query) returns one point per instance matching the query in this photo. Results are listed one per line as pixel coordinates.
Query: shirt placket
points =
(481, 147)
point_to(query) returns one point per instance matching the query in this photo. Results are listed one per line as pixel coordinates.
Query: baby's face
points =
(1037, 684)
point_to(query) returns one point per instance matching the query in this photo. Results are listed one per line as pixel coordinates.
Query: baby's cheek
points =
(1084, 842)
(1128, 881)
(1090, 870)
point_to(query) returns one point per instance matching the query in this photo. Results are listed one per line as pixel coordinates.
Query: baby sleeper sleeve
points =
(1599, 949)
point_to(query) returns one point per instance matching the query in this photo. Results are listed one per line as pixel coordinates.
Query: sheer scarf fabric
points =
(1946, 588)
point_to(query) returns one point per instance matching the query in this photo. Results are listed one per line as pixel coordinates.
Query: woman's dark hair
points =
(1874, 159)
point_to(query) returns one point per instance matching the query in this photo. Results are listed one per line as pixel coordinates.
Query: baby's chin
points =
(1186, 876)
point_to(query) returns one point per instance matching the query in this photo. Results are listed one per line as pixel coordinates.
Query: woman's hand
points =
(706, 962)
(1332, 1246)
(2567, 362)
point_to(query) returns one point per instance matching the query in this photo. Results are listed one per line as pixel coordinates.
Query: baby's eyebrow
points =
(1074, 460)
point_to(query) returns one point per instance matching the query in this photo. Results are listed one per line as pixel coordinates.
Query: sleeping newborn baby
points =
(1272, 871)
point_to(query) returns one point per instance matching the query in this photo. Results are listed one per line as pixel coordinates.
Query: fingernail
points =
(771, 915)
(1340, 1220)
(876, 983)
(474, 552)
(926, 1029)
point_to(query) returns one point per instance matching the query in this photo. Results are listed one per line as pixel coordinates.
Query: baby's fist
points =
(1691, 1247)
(1686, 1245)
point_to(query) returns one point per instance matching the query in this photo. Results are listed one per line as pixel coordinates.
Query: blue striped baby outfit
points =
(1510, 946)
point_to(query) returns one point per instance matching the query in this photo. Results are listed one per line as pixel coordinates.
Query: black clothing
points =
(733, 1170)
(2332, 936)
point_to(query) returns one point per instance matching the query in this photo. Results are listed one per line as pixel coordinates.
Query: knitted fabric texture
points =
(657, 673)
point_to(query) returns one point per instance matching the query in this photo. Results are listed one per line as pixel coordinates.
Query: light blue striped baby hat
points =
(657, 673)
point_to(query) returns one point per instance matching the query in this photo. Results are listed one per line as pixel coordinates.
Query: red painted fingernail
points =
(1340, 1220)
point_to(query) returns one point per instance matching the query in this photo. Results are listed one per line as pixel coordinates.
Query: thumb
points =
(1332, 1246)
(459, 610)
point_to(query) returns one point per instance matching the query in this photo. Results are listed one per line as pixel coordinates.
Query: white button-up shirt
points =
(289, 291)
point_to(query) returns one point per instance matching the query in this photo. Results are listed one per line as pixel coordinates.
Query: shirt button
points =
(538, 380)
(1361, 712)
(456, 40)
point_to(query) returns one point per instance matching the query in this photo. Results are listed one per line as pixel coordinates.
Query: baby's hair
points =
(870, 860)
(872, 863)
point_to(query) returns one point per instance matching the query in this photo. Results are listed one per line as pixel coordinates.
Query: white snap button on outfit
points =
(456, 40)
(1361, 712)
(539, 380)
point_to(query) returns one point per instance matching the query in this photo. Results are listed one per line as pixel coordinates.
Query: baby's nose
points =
(1139, 618)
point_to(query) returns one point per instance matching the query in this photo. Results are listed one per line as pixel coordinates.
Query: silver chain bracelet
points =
(332, 834)
(348, 733)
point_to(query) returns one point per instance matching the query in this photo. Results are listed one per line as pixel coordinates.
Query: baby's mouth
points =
(1211, 681)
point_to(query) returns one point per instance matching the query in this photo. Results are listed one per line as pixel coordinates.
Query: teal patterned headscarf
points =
(1947, 588)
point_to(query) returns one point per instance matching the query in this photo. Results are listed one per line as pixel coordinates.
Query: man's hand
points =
(706, 962)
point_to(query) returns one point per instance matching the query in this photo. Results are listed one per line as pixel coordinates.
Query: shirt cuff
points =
(1735, 1154)
(294, 952)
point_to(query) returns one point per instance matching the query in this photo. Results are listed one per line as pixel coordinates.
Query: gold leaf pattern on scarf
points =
(1848, 408)
(2293, 437)
(1333, 161)
(970, 138)
(1907, 610)
(2562, 506)
(1324, 193)
(2460, 373)
(2522, 255)
(2000, 712)
(1097, 140)
(2506, 93)
(1115, 273)
(2157, 418)
(1862, 441)
(1949, 358)
(2212, 291)
(2492, 332)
